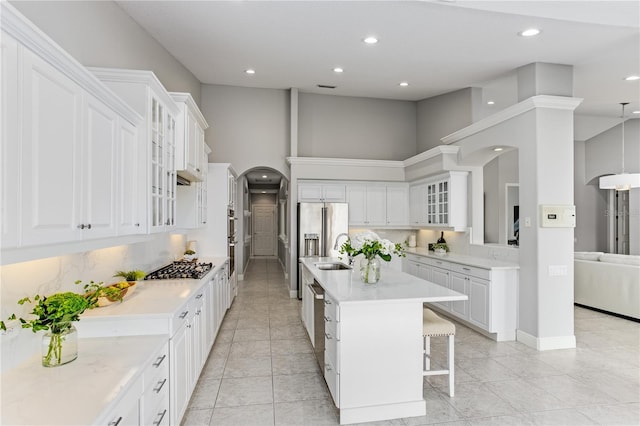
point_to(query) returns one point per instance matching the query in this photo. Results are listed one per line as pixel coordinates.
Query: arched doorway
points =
(263, 194)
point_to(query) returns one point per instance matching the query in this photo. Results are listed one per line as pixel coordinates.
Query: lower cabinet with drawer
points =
(492, 303)
(154, 405)
(332, 348)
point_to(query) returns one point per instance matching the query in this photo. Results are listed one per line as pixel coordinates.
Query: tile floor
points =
(261, 371)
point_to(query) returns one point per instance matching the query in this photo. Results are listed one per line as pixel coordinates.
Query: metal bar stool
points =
(434, 326)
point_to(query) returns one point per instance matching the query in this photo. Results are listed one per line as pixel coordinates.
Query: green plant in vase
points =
(55, 314)
(371, 246)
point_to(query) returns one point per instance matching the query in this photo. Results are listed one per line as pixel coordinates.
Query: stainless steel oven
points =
(231, 238)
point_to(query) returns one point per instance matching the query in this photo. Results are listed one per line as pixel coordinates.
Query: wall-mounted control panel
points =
(557, 216)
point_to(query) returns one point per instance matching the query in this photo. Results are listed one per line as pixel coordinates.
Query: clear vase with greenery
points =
(372, 247)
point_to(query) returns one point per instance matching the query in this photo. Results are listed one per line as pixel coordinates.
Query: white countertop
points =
(479, 262)
(155, 298)
(345, 286)
(78, 393)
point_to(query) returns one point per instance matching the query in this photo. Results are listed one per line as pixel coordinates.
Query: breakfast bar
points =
(373, 340)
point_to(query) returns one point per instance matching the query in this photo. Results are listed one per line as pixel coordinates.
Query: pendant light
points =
(623, 181)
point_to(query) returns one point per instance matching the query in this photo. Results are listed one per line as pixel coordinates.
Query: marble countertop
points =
(81, 392)
(156, 298)
(345, 286)
(479, 262)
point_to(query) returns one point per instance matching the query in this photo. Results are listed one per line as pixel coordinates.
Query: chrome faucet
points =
(335, 246)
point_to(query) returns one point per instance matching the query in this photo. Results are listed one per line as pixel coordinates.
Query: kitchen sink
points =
(332, 266)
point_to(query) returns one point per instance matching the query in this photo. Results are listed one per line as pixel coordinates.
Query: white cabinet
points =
(157, 142)
(154, 404)
(379, 205)
(492, 303)
(397, 203)
(367, 204)
(332, 347)
(191, 211)
(127, 410)
(65, 152)
(190, 127)
(10, 148)
(321, 192)
(440, 201)
(180, 347)
(131, 213)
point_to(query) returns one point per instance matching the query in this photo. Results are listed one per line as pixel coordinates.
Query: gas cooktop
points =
(180, 269)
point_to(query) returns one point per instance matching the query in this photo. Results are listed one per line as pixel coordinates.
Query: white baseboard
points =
(546, 343)
(293, 294)
(240, 277)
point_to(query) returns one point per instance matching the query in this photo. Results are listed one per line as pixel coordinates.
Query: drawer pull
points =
(159, 361)
(157, 422)
(199, 296)
(184, 314)
(160, 385)
(327, 302)
(466, 269)
(327, 367)
(328, 336)
(115, 422)
(327, 319)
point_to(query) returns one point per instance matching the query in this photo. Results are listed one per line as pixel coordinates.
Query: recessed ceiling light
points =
(529, 33)
(370, 40)
(250, 71)
(264, 192)
(490, 102)
(498, 149)
(632, 78)
(404, 84)
(338, 70)
(264, 176)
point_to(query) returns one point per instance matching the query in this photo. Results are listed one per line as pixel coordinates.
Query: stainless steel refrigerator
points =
(319, 227)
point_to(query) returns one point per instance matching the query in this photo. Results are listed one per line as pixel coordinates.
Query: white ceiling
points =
(437, 46)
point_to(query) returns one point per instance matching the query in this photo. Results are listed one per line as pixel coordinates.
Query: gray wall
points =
(442, 115)
(497, 173)
(248, 127)
(604, 152)
(101, 34)
(349, 127)
(591, 206)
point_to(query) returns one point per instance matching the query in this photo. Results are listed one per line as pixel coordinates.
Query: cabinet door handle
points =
(327, 302)
(137, 224)
(81, 226)
(89, 226)
(159, 361)
(328, 336)
(327, 367)
(466, 269)
(160, 385)
(115, 422)
(184, 314)
(327, 319)
(199, 296)
(157, 422)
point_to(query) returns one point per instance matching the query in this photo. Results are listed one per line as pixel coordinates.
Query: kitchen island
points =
(373, 341)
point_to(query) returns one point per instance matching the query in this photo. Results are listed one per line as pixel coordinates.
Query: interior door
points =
(264, 230)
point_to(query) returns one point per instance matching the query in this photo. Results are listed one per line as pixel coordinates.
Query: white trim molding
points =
(546, 343)
(540, 101)
(343, 162)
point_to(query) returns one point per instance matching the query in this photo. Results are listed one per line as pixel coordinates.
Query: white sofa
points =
(610, 282)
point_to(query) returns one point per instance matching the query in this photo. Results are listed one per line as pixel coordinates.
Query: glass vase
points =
(59, 348)
(370, 270)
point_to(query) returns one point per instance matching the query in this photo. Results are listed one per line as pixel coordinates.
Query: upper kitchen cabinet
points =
(192, 201)
(157, 142)
(378, 204)
(309, 192)
(440, 201)
(62, 135)
(190, 127)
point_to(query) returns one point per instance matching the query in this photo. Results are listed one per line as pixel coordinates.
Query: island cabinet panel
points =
(379, 358)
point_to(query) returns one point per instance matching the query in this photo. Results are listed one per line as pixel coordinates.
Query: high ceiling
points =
(436, 46)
